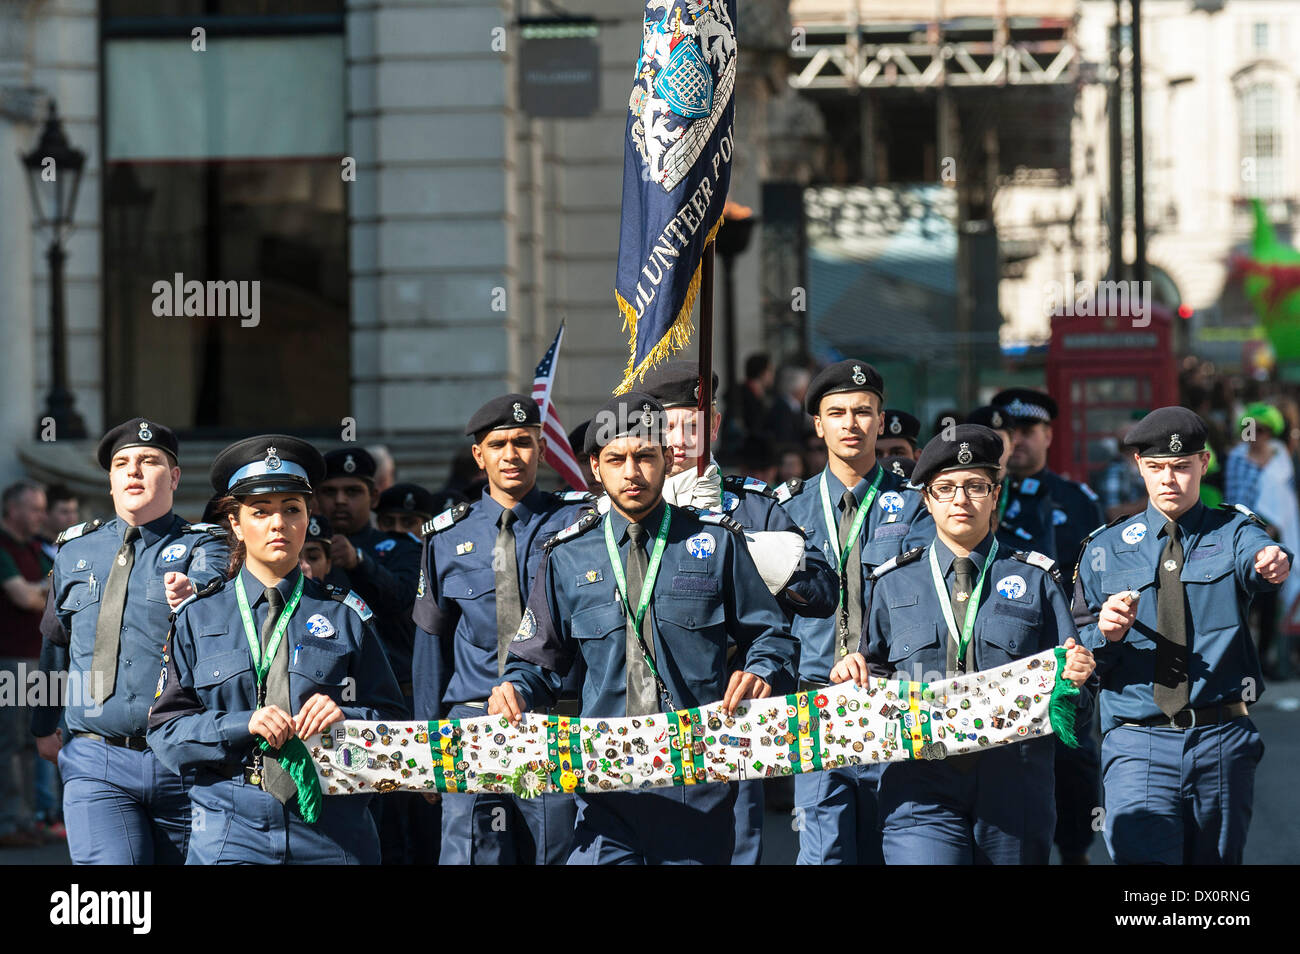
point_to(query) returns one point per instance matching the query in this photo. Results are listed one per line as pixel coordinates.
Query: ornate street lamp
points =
(54, 176)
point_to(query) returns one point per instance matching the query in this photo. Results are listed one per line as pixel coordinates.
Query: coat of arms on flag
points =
(676, 170)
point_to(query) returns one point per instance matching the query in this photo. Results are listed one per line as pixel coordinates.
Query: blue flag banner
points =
(676, 171)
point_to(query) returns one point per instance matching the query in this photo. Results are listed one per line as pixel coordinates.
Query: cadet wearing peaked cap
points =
(1166, 594)
(1026, 406)
(841, 377)
(223, 686)
(137, 432)
(956, 605)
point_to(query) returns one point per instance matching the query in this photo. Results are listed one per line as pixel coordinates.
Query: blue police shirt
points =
(707, 591)
(898, 520)
(77, 584)
(207, 690)
(455, 609)
(1028, 521)
(1219, 581)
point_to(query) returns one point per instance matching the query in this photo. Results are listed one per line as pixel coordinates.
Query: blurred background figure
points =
(63, 510)
(787, 421)
(385, 467)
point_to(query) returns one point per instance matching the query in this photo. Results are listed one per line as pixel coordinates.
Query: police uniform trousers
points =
(749, 823)
(1179, 797)
(992, 807)
(681, 825)
(490, 829)
(238, 823)
(121, 807)
(1078, 790)
(837, 816)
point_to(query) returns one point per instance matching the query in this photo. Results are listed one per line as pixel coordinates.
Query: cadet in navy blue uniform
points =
(479, 561)
(860, 515)
(268, 654)
(1166, 595)
(105, 623)
(813, 589)
(405, 508)
(649, 596)
(961, 604)
(899, 436)
(1076, 512)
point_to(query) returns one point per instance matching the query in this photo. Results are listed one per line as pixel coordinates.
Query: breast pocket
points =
(470, 588)
(81, 601)
(324, 668)
(600, 633)
(1211, 608)
(915, 645)
(1011, 631)
(222, 680)
(881, 550)
(695, 633)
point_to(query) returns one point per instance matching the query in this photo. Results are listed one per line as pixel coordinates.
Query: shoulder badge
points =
(448, 518)
(216, 529)
(1040, 560)
(893, 563)
(717, 519)
(350, 600)
(587, 521)
(575, 496)
(791, 488)
(750, 485)
(80, 530)
(1247, 513)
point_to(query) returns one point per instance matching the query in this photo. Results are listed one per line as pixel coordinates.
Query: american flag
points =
(558, 453)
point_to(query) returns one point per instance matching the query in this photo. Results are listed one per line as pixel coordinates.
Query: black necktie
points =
(1171, 689)
(642, 694)
(108, 626)
(851, 615)
(509, 604)
(963, 584)
(275, 779)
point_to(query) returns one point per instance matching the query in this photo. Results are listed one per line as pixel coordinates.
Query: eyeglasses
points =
(975, 490)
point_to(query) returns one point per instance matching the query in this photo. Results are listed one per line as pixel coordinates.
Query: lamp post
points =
(54, 176)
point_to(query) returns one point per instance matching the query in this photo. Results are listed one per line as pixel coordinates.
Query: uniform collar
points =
(946, 556)
(150, 532)
(532, 503)
(1188, 523)
(257, 592)
(836, 489)
(619, 523)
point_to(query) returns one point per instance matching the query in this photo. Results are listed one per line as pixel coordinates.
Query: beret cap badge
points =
(519, 413)
(1175, 443)
(144, 433)
(858, 376)
(963, 454)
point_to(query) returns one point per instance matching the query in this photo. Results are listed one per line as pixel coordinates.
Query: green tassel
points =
(1064, 705)
(296, 760)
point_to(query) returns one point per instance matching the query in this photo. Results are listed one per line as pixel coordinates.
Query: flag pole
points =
(706, 355)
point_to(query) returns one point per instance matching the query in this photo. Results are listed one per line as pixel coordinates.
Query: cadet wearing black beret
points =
(990, 415)
(319, 529)
(676, 384)
(407, 498)
(1167, 432)
(899, 466)
(1026, 406)
(851, 374)
(901, 424)
(137, 432)
(506, 411)
(350, 462)
(971, 446)
(634, 414)
(267, 464)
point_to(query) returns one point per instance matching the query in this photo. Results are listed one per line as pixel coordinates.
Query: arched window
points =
(1261, 141)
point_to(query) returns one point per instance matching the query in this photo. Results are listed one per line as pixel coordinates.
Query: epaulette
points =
(1040, 560)
(588, 520)
(350, 600)
(1247, 513)
(212, 587)
(750, 485)
(216, 529)
(81, 529)
(791, 488)
(575, 496)
(448, 518)
(893, 563)
(718, 519)
(1088, 492)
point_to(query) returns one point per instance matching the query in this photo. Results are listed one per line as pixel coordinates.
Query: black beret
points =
(1025, 405)
(266, 464)
(971, 446)
(137, 432)
(578, 438)
(350, 462)
(508, 410)
(1168, 432)
(899, 466)
(847, 375)
(318, 528)
(634, 414)
(990, 415)
(676, 384)
(410, 498)
(901, 424)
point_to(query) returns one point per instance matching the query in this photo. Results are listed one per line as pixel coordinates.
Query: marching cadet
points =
(938, 610)
(860, 514)
(405, 508)
(1021, 522)
(813, 589)
(648, 595)
(267, 654)
(1076, 512)
(899, 436)
(105, 622)
(1166, 595)
(479, 560)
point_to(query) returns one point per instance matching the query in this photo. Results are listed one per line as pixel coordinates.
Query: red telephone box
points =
(1101, 369)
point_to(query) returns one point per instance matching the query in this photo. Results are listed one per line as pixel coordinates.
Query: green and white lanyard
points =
(647, 588)
(941, 591)
(262, 664)
(833, 532)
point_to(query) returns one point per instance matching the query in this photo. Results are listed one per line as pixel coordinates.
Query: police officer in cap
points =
(648, 595)
(266, 656)
(1022, 522)
(860, 514)
(899, 437)
(1166, 594)
(479, 560)
(960, 604)
(111, 592)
